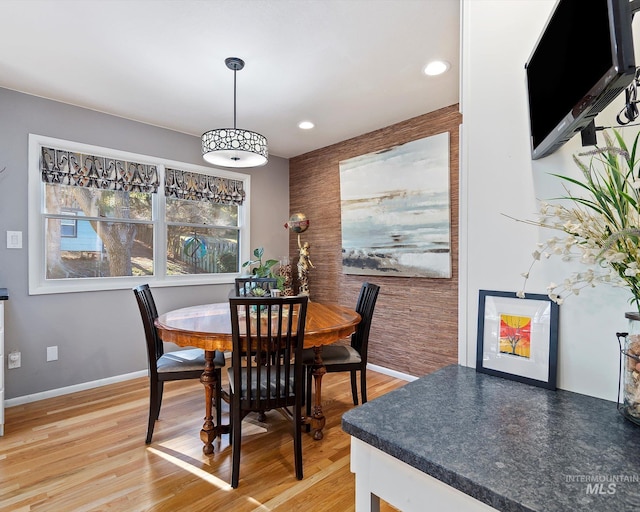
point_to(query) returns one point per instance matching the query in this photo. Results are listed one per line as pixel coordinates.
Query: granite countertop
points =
(510, 445)
(4, 294)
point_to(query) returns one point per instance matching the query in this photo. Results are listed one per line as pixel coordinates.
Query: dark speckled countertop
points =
(512, 446)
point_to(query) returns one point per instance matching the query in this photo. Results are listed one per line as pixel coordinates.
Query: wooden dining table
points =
(208, 327)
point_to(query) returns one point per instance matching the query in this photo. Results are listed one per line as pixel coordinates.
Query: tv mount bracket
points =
(588, 133)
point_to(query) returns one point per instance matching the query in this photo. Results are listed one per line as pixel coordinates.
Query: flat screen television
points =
(581, 62)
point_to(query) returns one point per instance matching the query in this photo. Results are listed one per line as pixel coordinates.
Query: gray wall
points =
(98, 334)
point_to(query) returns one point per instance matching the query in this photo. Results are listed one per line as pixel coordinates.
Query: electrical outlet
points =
(14, 360)
(52, 353)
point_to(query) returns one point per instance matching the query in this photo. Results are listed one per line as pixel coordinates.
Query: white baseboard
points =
(390, 372)
(72, 389)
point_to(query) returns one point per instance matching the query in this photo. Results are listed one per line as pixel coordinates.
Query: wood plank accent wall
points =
(415, 324)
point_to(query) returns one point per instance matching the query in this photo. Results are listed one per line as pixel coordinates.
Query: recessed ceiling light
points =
(305, 125)
(436, 67)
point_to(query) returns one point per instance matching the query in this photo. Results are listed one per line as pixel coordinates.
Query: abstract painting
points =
(395, 210)
(515, 335)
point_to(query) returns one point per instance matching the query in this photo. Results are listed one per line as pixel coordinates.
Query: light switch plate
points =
(52, 353)
(14, 239)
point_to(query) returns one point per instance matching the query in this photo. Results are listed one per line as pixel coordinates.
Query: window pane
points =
(93, 202)
(201, 212)
(68, 227)
(201, 251)
(99, 249)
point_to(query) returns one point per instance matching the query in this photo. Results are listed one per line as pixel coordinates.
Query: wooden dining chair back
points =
(266, 371)
(252, 286)
(351, 358)
(177, 365)
(244, 286)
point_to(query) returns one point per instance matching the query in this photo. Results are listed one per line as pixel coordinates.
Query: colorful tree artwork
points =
(515, 335)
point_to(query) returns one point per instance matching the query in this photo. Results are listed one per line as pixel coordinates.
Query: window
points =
(202, 234)
(104, 219)
(68, 227)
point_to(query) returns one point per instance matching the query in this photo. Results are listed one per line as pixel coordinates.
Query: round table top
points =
(208, 326)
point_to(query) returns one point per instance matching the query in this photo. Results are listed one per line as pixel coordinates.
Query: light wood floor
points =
(86, 452)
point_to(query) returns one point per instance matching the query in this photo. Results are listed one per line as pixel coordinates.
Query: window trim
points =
(36, 236)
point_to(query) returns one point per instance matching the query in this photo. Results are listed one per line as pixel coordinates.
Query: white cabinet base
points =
(381, 476)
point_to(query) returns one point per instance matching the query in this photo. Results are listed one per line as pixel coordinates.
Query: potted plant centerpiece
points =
(258, 268)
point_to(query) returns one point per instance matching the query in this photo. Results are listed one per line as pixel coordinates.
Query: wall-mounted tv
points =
(582, 61)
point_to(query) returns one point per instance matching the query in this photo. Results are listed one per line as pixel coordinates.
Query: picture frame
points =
(518, 337)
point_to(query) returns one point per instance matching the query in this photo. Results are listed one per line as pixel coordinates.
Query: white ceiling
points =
(350, 66)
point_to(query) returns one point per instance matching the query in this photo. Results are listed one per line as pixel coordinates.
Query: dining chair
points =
(179, 365)
(245, 285)
(266, 371)
(348, 358)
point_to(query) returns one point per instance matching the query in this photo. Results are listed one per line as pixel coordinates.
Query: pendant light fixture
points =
(232, 147)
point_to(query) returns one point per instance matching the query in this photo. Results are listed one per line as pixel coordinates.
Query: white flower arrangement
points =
(601, 228)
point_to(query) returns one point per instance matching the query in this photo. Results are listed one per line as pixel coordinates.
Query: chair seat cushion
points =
(187, 360)
(267, 390)
(333, 354)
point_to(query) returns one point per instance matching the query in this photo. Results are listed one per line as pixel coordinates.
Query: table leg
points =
(208, 379)
(317, 416)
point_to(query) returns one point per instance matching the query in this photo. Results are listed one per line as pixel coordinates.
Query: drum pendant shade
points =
(234, 147)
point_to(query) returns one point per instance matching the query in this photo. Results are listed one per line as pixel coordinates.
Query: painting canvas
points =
(396, 211)
(515, 335)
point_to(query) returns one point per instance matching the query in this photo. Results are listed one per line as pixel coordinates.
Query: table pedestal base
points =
(209, 380)
(317, 419)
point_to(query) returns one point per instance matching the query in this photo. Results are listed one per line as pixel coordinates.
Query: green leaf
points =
(270, 263)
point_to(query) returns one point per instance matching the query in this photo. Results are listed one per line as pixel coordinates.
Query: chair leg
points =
(160, 392)
(297, 443)
(236, 440)
(308, 382)
(354, 388)
(218, 399)
(155, 400)
(363, 384)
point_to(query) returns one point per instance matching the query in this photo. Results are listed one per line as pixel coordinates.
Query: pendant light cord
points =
(234, 97)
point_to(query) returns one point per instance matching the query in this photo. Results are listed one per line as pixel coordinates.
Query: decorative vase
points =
(629, 378)
(287, 275)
